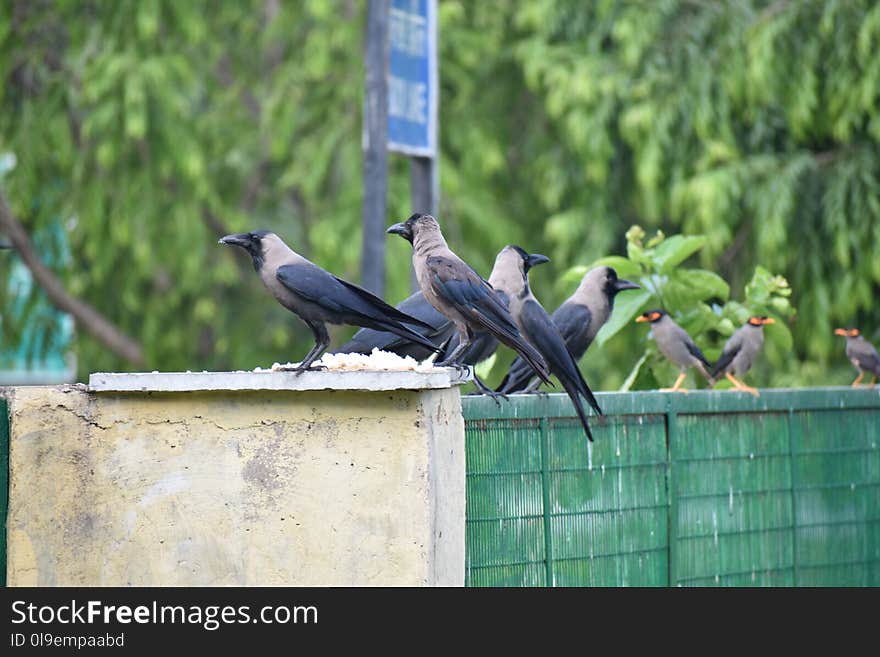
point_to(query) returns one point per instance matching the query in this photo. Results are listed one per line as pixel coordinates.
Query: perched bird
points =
(862, 354)
(674, 343)
(482, 346)
(535, 325)
(739, 352)
(318, 297)
(458, 292)
(578, 319)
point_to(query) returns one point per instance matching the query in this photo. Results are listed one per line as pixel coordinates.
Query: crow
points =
(536, 326)
(578, 319)
(453, 288)
(318, 297)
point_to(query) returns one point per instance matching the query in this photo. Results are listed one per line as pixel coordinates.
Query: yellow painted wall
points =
(235, 488)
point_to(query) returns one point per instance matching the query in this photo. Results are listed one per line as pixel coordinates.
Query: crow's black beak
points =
(622, 284)
(536, 259)
(401, 229)
(242, 239)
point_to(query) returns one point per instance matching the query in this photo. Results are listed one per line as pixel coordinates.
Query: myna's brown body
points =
(861, 354)
(675, 343)
(740, 352)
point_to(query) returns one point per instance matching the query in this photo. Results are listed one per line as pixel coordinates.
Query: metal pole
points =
(375, 148)
(425, 171)
(424, 184)
(424, 193)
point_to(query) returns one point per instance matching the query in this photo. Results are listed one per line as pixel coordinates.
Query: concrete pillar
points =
(331, 478)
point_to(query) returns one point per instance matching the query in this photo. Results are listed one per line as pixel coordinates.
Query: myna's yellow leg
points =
(742, 386)
(873, 381)
(855, 384)
(676, 387)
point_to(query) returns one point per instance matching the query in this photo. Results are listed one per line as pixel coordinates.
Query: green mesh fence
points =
(709, 488)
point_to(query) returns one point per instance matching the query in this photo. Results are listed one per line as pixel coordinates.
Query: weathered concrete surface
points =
(436, 377)
(235, 488)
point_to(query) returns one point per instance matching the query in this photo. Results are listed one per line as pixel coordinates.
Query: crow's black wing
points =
(462, 288)
(483, 344)
(573, 321)
(366, 339)
(543, 334)
(372, 300)
(350, 303)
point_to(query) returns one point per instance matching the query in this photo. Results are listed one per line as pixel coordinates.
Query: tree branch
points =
(86, 316)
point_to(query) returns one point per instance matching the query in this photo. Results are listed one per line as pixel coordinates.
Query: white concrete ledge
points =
(375, 380)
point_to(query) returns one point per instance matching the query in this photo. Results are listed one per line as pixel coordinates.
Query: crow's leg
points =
(322, 341)
(486, 390)
(464, 339)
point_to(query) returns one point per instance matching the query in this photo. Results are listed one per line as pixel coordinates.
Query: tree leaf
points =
(779, 334)
(675, 250)
(626, 307)
(634, 373)
(624, 267)
(703, 284)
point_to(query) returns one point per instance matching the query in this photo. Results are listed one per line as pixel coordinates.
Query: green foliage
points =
(699, 300)
(146, 128)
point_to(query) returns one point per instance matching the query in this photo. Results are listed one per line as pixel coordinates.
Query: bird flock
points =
(459, 318)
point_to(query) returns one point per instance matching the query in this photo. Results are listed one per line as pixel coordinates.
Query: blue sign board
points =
(412, 79)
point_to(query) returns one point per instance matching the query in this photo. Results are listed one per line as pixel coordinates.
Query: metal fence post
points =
(547, 507)
(671, 497)
(794, 488)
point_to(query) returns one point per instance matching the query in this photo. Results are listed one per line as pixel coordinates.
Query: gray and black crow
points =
(318, 297)
(453, 288)
(482, 346)
(536, 326)
(740, 351)
(578, 319)
(861, 354)
(675, 343)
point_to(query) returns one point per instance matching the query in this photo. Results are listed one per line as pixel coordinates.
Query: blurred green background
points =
(149, 128)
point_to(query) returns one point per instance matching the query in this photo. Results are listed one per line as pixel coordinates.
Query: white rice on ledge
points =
(381, 361)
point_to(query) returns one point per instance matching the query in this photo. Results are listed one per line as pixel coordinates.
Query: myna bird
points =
(318, 297)
(674, 343)
(740, 351)
(535, 325)
(862, 354)
(458, 292)
(578, 319)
